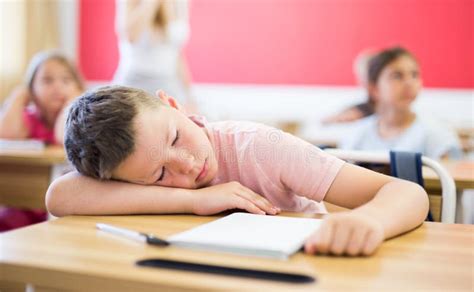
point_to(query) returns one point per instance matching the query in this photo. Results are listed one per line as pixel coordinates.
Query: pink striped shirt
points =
(291, 173)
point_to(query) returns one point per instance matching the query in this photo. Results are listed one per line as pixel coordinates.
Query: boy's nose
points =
(183, 162)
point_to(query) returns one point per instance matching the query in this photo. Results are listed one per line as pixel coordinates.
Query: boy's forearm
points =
(74, 194)
(399, 206)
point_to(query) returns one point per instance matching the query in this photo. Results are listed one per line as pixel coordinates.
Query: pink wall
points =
(300, 41)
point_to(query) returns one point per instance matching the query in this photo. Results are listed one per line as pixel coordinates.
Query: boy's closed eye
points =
(163, 169)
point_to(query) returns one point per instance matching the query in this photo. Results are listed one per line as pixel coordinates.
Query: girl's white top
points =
(427, 136)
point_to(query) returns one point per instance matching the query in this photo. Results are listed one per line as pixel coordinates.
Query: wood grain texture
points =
(70, 254)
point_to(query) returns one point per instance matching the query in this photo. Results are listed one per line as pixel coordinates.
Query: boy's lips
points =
(203, 172)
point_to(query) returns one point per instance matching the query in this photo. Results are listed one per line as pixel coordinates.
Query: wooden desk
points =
(462, 172)
(26, 175)
(69, 254)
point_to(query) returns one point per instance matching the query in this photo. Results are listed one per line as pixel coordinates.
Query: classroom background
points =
(290, 60)
(284, 63)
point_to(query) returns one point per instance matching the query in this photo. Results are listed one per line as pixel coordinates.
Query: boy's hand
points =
(232, 195)
(347, 233)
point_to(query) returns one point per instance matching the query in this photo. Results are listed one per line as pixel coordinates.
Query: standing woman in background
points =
(152, 34)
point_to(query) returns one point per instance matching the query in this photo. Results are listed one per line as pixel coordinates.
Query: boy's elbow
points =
(55, 201)
(420, 200)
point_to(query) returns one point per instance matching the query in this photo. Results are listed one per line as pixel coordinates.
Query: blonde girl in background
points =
(36, 109)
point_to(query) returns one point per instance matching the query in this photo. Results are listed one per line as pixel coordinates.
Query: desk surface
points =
(462, 172)
(70, 253)
(50, 155)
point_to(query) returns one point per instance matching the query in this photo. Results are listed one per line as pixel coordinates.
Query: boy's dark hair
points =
(378, 62)
(100, 132)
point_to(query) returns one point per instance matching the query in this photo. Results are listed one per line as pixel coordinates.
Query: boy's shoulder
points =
(232, 127)
(244, 135)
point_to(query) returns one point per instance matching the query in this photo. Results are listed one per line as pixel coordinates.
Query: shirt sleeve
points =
(295, 164)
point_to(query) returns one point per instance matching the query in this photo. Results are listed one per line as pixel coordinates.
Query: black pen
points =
(131, 234)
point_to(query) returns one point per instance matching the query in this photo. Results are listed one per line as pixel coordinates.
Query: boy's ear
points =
(168, 100)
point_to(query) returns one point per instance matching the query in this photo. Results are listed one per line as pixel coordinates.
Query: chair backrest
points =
(404, 165)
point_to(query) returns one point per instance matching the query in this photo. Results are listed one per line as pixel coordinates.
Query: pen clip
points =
(151, 239)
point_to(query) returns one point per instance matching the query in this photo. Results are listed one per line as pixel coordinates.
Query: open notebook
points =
(249, 234)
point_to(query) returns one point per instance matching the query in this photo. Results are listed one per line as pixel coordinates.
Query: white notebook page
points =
(249, 234)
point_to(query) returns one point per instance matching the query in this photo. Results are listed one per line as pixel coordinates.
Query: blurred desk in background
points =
(462, 172)
(26, 174)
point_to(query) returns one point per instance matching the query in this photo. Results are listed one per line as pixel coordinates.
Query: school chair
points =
(407, 165)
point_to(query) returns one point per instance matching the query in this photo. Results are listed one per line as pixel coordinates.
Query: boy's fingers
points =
(310, 244)
(245, 204)
(356, 242)
(340, 238)
(260, 201)
(264, 204)
(371, 244)
(323, 237)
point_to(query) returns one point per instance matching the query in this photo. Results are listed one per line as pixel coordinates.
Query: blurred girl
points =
(35, 110)
(394, 83)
